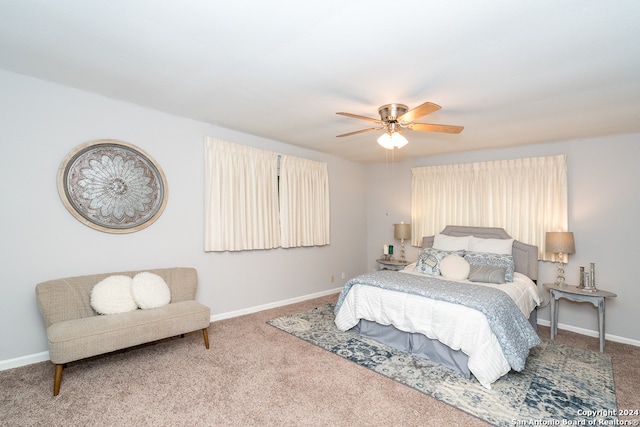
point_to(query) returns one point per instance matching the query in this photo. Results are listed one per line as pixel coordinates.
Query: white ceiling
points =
(511, 72)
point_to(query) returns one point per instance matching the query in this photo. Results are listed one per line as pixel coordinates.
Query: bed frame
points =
(526, 262)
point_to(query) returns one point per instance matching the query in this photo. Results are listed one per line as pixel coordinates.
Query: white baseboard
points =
(258, 308)
(24, 360)
(590, 333)
(44, 356)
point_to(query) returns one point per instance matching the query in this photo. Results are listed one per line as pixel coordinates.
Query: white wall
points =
(604, 207)
(41, 122)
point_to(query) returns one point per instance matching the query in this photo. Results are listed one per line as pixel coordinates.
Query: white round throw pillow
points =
(112, 295)
(454, 267)
(150, 290)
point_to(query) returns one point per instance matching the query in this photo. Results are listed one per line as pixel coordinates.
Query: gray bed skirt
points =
(421, 346)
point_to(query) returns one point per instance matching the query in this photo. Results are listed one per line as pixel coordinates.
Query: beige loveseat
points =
(75, 331)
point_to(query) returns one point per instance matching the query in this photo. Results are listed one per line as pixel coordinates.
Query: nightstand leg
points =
(555, 318)
(601, 323)
(554, 315)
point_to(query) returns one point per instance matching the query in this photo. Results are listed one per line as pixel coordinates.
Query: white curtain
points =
(304, 202)
(526, 197)
(241, 197)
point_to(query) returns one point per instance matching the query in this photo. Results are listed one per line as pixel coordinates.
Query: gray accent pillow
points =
(487, 274)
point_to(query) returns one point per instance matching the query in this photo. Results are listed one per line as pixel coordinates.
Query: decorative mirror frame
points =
(112, 186)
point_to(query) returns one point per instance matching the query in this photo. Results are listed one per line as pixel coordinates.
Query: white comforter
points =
(459, 327)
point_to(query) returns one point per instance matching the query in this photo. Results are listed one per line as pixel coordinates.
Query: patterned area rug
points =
(560, 385)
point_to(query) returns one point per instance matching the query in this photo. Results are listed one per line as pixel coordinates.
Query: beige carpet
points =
(253, 375)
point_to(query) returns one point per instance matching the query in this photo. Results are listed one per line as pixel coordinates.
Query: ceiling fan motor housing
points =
(390, 112)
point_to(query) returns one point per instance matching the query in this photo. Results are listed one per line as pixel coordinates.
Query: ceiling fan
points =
(395, 117)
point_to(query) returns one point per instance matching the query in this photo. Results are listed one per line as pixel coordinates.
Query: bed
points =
(478, 328)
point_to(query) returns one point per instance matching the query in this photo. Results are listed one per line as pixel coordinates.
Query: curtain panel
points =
(241, 197)
(304, 202)
(527, 197)
(257, 199)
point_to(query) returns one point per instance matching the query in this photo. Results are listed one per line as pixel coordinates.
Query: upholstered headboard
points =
(525, 256)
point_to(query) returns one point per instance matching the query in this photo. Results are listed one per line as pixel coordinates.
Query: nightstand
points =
(573, 293)
(394, 265)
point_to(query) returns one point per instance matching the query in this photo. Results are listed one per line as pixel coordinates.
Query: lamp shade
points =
(560, 242)
(402, 231)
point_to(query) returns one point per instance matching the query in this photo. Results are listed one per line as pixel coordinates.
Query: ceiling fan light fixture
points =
(396, 117)
(391, 140)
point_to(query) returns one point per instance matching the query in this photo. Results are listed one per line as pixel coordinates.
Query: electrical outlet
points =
(332, 280)
(343, 276)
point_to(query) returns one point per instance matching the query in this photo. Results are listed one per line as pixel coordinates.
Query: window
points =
(527, 197)
(247, 208)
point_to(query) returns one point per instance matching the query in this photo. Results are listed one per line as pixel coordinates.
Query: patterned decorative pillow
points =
(487, 274)
(495, 260)
(430, 258)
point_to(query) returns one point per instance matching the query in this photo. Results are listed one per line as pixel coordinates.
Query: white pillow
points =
(454, 267)
(150, 290)
(450, 243)
(492, 246)
(112, 295)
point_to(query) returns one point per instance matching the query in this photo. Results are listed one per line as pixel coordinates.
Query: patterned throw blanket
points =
(512, 329)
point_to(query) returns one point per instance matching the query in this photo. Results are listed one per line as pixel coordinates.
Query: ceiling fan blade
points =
(358, 131)
(419, 111)
(355, 116)
(435, 128)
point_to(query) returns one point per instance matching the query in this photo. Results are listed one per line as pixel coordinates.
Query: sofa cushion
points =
(112, 295)
(80, 338)
(150, 290)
